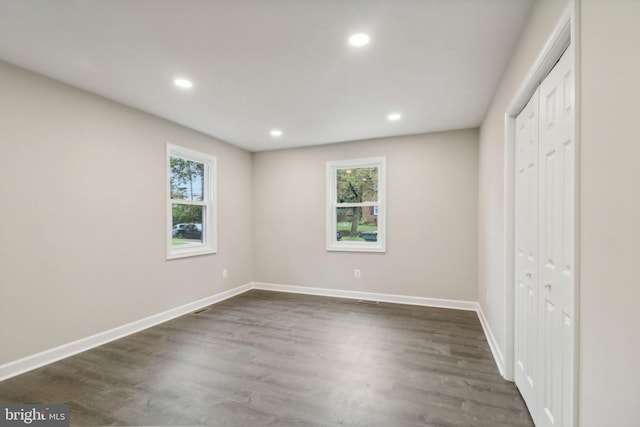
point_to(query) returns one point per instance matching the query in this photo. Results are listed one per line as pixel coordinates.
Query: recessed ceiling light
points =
(394, 117)
(183, 83)
(276, 132)
(359, 39)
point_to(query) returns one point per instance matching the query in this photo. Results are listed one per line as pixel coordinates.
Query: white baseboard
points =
(397, 299)
(46, 357)
(493, 343)
(37, 360)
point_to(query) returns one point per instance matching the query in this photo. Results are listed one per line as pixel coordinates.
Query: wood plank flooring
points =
(276, 359)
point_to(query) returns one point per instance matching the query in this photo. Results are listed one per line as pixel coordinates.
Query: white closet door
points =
(556, 238)
(526, 242)
(544, 239)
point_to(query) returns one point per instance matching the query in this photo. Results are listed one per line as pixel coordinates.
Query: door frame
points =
(563, 37)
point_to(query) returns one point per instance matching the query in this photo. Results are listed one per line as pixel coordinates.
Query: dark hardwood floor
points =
(275, 359)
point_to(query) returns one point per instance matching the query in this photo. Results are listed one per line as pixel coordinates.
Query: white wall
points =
(432, 214)
(543, 17)
(610, 214)
(82, 223)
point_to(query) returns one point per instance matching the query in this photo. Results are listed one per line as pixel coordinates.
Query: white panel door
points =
(526, 242)
(544, 242)
(555, 245)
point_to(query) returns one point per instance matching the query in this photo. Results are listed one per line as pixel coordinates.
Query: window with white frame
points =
(356, 205)
(191, 203)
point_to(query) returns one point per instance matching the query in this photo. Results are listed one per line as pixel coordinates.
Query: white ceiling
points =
(263, 64)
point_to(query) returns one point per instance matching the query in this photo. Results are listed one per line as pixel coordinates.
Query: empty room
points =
(319, 213)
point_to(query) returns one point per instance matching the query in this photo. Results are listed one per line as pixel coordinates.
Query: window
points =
(191, 203)
(356, 205)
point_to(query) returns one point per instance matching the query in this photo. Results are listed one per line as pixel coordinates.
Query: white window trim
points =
(333, 244)
(209, 228)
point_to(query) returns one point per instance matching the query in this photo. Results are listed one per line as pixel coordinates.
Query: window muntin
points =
(191, 228)
(355, 205)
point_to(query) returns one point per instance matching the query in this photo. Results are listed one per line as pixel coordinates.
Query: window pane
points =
(187, 179)
(357, 185)
(187, 224)
(357, 224)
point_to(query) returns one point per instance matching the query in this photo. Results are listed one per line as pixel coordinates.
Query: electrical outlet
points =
(356, 273)
(225, 273)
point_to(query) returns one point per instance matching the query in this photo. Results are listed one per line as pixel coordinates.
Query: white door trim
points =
(562, 37)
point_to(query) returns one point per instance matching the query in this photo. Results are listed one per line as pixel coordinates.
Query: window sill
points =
(357, 247)
(189, 252)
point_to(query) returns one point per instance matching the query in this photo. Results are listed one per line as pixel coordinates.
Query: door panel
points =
(555, 215)
(526, 239)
